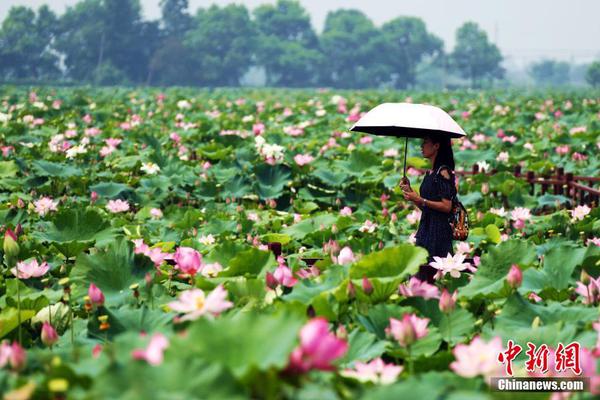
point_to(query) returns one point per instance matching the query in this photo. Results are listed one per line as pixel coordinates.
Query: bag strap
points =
(454, 198)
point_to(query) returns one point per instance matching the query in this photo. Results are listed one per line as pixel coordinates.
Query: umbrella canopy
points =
(408, 120)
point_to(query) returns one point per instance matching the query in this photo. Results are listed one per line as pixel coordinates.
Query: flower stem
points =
(18, 305)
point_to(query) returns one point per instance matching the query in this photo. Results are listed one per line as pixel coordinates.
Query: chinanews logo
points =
(548, 369)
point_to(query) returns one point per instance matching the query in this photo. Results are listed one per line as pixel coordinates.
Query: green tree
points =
(222, 42)
(410, 43)
(288, 47)
(357, 54)
(175, 17)
(474, 57)
(95, 32)
(592, 75)
(25, 44)
(550, 72)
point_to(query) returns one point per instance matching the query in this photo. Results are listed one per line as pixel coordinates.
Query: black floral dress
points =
(435, 233)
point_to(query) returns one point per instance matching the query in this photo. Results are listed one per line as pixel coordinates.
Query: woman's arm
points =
(444, 206)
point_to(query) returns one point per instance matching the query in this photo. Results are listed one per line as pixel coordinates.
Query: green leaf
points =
(112, 269)
(456, 326)
(8, 169)
(59, 170)
(74, 230)
(276, 237)
(491, 273)
(271, 179)
(244, 341)
(493, 233)
(9, 319)
(109, 189)
(557, 322)
(249, 263)
(299, 230)
(396, 262)
(362, 346)
(559, 264)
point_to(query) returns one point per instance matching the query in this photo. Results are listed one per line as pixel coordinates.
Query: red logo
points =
(565, 357)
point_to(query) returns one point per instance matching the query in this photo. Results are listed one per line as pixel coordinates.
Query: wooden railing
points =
(558, 182)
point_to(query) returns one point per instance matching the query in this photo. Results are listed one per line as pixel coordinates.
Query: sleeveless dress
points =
(434, 232)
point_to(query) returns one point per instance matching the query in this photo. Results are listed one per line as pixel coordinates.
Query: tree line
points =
(108, 42)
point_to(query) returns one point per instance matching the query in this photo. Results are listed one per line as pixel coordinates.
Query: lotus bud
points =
(271, 281)
(48, 335)
(515, 276)
(447, 302)
(96, 295)
(584, 277)
(11, 246)
(367, 286)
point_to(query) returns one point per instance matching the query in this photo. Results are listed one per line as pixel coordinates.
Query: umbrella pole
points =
(405, 149)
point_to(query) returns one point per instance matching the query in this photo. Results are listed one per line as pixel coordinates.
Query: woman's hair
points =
(445, 156)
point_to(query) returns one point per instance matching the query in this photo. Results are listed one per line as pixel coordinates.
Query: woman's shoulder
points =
(445, 170)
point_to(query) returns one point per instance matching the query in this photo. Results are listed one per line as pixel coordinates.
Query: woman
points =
(435, 201)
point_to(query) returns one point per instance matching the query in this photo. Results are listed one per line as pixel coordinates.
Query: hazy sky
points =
(524, 30)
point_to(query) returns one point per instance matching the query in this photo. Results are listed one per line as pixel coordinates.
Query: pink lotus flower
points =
(156, 213)
(366, 140)
(303, 159)
(407, 330)
(563, 149)
(30, 269)
(95, 294)
(44, 205)
(414, 217)
(211, 270)
(447, 301)
(153, 354)
(589, 292)
(194, 304)
(346, 211)
(346, 256)
(463, 248)
(390, 153)
(368, 226)
(580, 212)
(514, 276)
(318, 348)
(534, 297)
(258, 128)
(594, 240)
(375, 371)
(451, 264)
(12, 354)
(417, 288)
(48, 335)
(308, 273)
(188, 260)
(117, 206)
(283, 276)
(478, 358)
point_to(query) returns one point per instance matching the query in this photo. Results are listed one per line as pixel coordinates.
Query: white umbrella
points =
(408, 120)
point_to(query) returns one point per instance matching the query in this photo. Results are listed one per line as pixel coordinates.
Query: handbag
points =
(459, 218)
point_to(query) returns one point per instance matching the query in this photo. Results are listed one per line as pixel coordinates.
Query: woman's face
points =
(428, 148)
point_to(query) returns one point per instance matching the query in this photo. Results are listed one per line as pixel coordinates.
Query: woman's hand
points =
(410, 195)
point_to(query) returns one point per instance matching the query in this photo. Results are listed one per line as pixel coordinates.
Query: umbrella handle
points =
(405, 149)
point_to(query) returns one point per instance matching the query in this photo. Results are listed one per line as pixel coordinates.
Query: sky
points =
(524, 30)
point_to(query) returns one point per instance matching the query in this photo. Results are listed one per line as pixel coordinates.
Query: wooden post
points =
(560, 175)
(517, 170)
(545, 185)
(275, 247)
(570, 191)
(530, 179)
